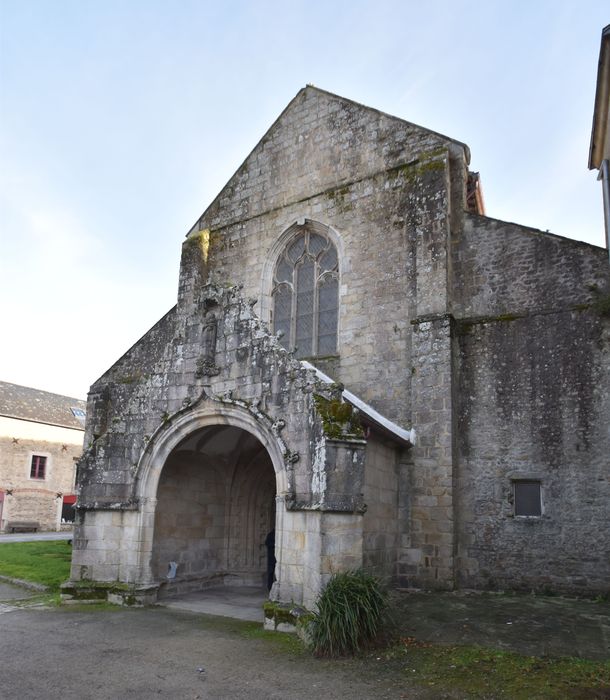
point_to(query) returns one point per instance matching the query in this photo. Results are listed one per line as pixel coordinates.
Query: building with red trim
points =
(41, 437)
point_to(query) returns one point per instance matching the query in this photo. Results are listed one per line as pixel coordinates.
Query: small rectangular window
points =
(38, 467)
(527, 498)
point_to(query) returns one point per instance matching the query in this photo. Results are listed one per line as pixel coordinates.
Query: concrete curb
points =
(25, 584)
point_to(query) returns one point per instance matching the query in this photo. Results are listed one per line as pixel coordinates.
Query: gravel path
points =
(67, 654)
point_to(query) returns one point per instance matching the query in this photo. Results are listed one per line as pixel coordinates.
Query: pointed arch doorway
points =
(215, 508)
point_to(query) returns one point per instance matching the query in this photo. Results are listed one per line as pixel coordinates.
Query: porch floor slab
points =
(238, 602)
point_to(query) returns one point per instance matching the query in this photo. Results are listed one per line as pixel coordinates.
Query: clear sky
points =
(120, 120)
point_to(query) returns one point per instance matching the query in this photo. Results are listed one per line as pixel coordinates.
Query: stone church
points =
(364, 365)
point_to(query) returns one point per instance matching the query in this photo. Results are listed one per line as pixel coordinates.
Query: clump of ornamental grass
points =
(350, 614)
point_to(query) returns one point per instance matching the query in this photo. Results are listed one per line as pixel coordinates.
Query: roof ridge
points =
(42, 391)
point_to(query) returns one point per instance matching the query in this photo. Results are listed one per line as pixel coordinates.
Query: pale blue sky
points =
(120, 122)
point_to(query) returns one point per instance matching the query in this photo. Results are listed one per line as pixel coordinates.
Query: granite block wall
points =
(532, 353)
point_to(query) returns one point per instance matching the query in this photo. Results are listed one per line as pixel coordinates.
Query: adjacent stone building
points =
(41, 438)
(364, 362)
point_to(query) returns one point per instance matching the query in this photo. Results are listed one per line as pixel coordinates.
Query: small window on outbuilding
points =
(527, 498)
(38, 467)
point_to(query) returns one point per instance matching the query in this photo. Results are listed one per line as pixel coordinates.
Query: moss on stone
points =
(195, 249)
(428, 162)
(465, 326)
(338, 197)
(129, 378)
(90, 590)
(339, 419)
(601, 305)
(279, 613)
(100, 585)
(288, 614)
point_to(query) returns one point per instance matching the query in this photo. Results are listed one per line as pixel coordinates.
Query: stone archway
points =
(215, 505)
(219, 448)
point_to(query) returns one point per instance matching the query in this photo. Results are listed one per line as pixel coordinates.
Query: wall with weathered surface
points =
(487, 337)
(161, 376)
(375, 180)
(381, 522)
(388, 190)
(428, 544)
(533, 402)
(505, 268)
(29, 499)
(190, 519)
(208, 360)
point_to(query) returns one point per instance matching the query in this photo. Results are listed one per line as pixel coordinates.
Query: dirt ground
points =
(64, 654)
(527, 624)
(85, 653)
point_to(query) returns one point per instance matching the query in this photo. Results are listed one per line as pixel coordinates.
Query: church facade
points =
(363, 364)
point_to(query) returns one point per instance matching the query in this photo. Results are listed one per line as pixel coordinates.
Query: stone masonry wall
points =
(381, 525)
(190, 522)
(360, 172)
(212, 354)
(37, 499)
(533, 403)
(504, 268)
(165, 373)
(428, 545)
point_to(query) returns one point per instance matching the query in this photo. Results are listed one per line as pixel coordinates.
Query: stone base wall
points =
(107, 547)
(36, 506)
(311, 547)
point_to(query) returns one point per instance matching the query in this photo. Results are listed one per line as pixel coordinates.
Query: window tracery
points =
(306, 295)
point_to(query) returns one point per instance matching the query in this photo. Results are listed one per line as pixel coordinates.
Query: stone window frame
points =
(527, 479)
(47, 466)
(277, 250)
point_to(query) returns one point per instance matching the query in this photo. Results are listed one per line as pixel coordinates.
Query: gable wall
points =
(359, 172)
(319, 142)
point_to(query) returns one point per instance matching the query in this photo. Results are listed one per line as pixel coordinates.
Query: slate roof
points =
(40, 406)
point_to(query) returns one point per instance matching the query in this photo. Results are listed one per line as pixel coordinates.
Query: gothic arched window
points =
(306, 295)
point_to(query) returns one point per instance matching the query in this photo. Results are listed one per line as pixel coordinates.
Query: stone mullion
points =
(293, 310)
(316, 308)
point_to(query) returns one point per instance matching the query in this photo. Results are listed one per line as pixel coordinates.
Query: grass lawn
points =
(46, 562)
(431, 671)
(476, 672)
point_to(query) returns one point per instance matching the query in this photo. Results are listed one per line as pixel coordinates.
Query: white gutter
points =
(373, 415)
